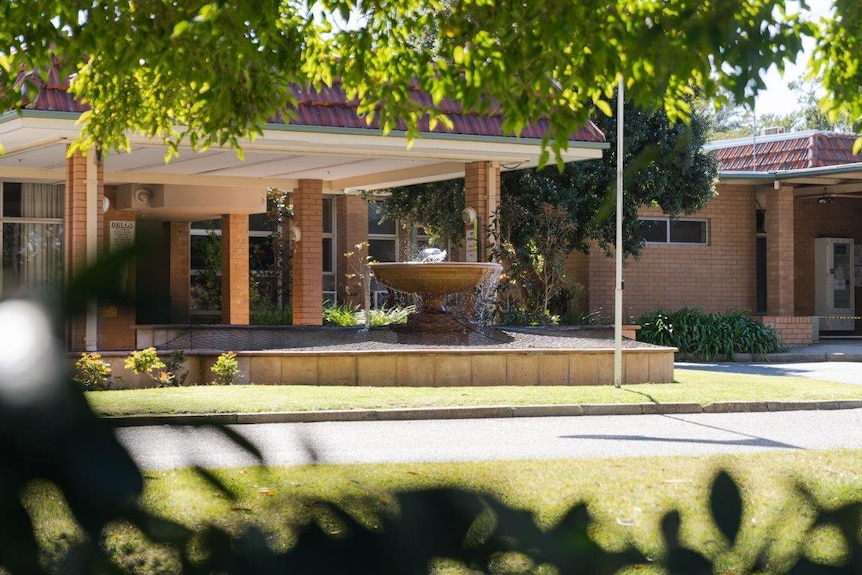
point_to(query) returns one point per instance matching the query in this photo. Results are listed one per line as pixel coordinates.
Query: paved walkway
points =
(845, 350)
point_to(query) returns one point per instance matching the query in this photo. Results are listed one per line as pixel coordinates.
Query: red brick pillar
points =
(234, 269)
(116, 321)
(83, 236)
(308, 253)
(180, 266)
(482, 193)
(780, 265)
(351, 230)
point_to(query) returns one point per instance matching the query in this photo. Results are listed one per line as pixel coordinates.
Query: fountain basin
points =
(433, 281)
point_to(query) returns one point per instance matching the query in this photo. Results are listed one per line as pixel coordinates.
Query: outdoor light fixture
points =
(295, 234)
(468, 215)
(824, 200)
(143, 195)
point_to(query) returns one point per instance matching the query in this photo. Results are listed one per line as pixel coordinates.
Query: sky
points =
(777, 99)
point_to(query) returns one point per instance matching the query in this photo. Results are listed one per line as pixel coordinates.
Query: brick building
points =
(59, 213)
(754, 246)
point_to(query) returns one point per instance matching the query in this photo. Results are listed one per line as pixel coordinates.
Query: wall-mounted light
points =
(295, 234)
(106, 204)
(468, 215)
(142, 196)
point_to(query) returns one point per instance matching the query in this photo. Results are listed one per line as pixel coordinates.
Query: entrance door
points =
(834, 284)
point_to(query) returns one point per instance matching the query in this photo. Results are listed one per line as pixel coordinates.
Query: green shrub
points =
(346, 316)
(519, 315)
(226, 368)
(386, 315)
(268, 313)
(708, 335)
(91, 371)
(147, 361)
(340, 315)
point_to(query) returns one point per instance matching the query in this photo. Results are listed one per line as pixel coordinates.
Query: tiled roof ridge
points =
(324, 107)
(789, 151)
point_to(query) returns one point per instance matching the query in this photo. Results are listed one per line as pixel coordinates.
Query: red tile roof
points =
(791, 151)
(328, 107)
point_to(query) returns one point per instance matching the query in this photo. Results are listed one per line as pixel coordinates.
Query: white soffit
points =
(36, 147)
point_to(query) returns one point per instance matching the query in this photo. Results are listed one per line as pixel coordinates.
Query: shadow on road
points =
(745, 439)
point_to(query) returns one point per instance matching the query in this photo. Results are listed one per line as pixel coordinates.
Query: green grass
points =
(627, 498)
(691, 386)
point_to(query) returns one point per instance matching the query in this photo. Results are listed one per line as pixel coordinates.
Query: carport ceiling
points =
(283, 155)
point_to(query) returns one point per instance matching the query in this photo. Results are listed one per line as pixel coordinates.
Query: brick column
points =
(180, 270)
(482, 193)
(116, 320)
(234, 269)
(780, 267)
(83, 238)
(351, 213)
(308, 254)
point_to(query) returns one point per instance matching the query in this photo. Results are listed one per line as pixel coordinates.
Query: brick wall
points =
(308, 253)
(476, 175)
(234, 267)
(780, 256)
(714, 277)
(75, 226)
(792, 331)
(351, 229)
(116, 320)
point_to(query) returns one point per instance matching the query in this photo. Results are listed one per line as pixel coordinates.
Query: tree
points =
(836, 62)
(436, 207)
(665, 166)
(212, 73)
(737, 120)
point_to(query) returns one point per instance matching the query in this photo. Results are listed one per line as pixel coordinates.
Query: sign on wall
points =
(122, 234)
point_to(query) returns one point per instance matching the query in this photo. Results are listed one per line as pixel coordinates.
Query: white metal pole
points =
(92, 233)
(618, 299)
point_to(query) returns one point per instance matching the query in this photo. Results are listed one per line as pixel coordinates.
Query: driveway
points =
(840, 371)
(163, 447)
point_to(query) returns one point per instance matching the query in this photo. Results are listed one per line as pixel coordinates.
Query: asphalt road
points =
(165, 447)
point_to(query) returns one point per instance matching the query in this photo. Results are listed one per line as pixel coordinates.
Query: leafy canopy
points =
(214, 72)
(665, 166)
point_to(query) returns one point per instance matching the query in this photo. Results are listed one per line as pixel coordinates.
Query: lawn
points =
(626, 499)
(690, 386)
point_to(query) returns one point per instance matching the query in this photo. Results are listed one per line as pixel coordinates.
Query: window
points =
(329, 258)
(31, 239)
(382, 236)
(674, 231)
(206, 260)
(382, 247)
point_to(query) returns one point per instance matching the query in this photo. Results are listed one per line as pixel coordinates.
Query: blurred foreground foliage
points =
(53, 436)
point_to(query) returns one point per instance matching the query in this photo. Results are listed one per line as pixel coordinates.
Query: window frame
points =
(36, 220)
(668, 223)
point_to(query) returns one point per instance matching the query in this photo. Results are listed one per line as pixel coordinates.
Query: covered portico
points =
(796, 210)
(327, 150)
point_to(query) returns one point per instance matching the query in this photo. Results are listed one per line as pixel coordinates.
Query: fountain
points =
(433, 280)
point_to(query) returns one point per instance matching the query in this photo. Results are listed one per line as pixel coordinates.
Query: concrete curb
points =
(480, 412)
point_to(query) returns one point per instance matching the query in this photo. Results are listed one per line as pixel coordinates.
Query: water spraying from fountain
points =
(433, 280)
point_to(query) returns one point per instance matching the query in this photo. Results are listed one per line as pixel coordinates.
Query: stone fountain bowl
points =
(433, 278)
(432, 282)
